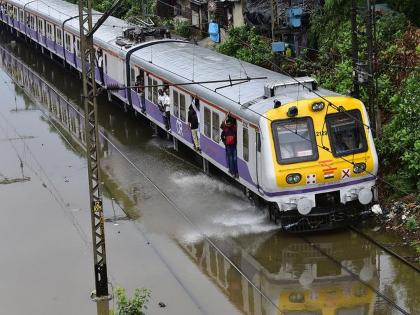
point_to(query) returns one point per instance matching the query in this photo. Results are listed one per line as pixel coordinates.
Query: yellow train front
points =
(324, 162)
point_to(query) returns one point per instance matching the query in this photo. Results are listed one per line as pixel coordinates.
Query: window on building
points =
(245, 143)
(207, 122)
(176, 103)
(216, 127)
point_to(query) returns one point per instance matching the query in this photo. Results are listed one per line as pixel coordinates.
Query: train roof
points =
(59, 11)
(183, 62)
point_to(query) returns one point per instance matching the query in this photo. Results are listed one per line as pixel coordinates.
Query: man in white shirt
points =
(167, 109)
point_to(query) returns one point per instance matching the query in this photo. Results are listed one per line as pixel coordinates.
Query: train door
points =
(247, 152)
(258, 158)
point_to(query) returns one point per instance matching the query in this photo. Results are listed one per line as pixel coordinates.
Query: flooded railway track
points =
(263, 272)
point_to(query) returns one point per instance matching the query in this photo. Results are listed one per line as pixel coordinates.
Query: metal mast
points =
(354, 49)
(88, 58)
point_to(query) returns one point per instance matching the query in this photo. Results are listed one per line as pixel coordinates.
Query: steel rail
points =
(384, 248)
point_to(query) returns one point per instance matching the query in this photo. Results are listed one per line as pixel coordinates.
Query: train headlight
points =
(359, 168)
(365, 196)
(318, 106)
(293, 178)
(292, 111)
(297, 297)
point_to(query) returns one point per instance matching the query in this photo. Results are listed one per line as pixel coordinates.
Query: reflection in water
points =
(300, 282)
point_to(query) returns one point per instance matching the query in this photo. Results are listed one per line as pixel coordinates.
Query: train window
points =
(149, 89)
(132, 76)
(105, 63)
(245, 142)
(294, 140)
(216, 127)
(67, 41)
(207, 122)
(59, 38)
(78, 47)
(155, 91)
(21, 16)
(49, 31)
(346, 133)
(32, 20)
(176, 104)
(41, 26)
(258, 141)
(182, 109)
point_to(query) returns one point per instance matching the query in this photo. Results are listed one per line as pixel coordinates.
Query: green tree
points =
(410, 8)
(244, 43)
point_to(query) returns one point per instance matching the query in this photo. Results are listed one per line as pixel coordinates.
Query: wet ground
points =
(221, 249)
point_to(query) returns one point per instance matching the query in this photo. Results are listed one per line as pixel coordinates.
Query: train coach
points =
(306, 151)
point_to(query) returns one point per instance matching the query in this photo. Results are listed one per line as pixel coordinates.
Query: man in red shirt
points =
(229, 138)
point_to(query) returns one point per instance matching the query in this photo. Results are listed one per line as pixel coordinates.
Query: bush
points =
(400, 141)
(182, 28)
(134, 306)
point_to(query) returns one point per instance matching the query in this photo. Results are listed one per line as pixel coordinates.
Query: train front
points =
(324, 163)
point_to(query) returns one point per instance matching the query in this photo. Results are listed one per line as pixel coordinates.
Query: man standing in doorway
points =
(167, 108)
(229, 139)
(193, 122)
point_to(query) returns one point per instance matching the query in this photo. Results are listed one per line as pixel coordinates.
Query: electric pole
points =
(88, 65)
(355, 48)
(370, 79)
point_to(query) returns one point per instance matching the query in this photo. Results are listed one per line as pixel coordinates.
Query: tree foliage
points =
(133, 306)
(244, 43)
(397, 77)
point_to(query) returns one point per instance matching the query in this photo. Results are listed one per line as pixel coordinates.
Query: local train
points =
(315, 166)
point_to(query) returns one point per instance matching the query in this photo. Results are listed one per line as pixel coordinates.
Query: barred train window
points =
(216, 126)
(245, 141)
(182, 109)
(176, 104)
(155, 91)
(149, 89)
(59, 37)
(207, 122)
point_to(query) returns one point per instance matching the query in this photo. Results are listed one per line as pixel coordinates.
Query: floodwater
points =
(258, 269)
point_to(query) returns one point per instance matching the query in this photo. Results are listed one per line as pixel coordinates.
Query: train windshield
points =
(294, 140)
(346, 133)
